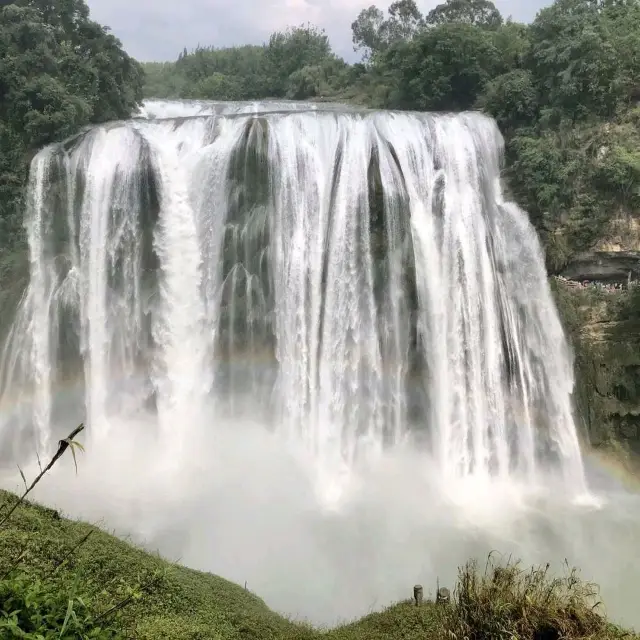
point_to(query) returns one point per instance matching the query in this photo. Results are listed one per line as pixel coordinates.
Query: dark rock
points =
(604, 266)
(606, 346)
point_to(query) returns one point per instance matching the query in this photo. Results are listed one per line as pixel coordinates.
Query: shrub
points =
(39, 609)
(510, 602)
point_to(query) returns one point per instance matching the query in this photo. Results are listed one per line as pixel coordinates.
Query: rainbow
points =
(617, 465)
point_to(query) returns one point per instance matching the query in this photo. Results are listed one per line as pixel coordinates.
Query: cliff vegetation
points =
(59, 71)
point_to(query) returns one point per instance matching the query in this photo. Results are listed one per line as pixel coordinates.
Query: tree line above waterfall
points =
(563, 90)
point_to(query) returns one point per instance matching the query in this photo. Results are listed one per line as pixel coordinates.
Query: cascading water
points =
(370, 253)
(262, 309)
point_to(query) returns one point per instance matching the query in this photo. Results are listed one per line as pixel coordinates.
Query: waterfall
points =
(368, 258)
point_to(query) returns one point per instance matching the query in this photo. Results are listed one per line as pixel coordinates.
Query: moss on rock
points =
(604, 330)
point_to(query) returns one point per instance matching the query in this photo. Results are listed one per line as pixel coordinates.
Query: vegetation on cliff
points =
(59, 71)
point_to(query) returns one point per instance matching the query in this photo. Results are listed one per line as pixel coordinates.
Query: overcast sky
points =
(160, 29)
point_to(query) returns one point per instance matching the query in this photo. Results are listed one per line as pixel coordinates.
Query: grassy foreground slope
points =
(181, 603)
(170, 602)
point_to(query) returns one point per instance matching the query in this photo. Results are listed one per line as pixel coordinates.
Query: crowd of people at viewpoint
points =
(609, 287)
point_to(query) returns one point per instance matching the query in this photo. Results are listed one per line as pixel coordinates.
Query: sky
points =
(160, 29)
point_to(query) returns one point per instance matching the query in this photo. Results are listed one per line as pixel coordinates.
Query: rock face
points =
(622, 233)
(613, 408)
(604, 328)
(603, 323)
(604, 266)
(14, 277)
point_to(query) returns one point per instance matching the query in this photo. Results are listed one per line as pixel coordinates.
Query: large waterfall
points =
(315, 351)
(353, 279)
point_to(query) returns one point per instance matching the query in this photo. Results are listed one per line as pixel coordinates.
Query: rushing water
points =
(353, 281)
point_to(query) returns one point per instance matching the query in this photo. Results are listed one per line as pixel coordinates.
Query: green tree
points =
(405, 21)
(513, 41)
(318, 80)
(443, 68)
(66, 15)
(367, 32)
(36, 101)
(291, 50)
(512, 99)
(372, 33)
(163, 80)
(217, 86)
(305, 83)
(482, 13)
(246, 65)
(58, 71)
(583, 56)
(296, 62)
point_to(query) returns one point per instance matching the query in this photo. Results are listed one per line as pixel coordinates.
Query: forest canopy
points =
(59, 71)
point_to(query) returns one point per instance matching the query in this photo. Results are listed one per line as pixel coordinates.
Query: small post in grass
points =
(444, 596)
(418, 593)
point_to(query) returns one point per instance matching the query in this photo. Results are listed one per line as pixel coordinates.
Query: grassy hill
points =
(145, 597)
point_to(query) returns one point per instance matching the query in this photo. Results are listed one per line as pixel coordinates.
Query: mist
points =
(239, 503)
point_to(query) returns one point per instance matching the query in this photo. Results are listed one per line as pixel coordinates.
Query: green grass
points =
(500, 603)
(185, 604)
(403, 620)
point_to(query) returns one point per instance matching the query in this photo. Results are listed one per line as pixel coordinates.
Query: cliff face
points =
(614, 257)
(603, 323)
(14, 277)
(614, 267)
(602, 319)
(621, 234)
